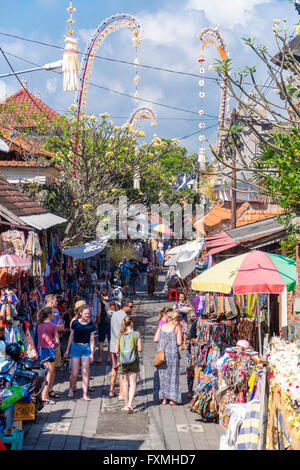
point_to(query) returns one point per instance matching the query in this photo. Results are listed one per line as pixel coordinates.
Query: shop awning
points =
(251, 236)
(219, 243)
(87, 250)
(42, 221)
(184, 263)
(195, 245)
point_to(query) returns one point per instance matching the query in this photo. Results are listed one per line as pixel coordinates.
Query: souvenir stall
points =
(20, 279)
(227, 352)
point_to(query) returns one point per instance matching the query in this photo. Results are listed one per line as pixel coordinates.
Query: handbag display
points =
(160, 357)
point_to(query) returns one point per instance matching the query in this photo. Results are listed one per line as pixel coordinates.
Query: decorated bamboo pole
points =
(70, 65)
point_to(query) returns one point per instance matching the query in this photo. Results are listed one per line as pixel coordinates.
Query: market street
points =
(73, 424)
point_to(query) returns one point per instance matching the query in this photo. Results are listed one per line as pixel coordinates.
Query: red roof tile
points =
(245, 215)
(34, 105)
(20, 145)
(16, 202)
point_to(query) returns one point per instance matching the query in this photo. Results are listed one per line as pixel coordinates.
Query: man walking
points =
(115, 326)
(125, 270)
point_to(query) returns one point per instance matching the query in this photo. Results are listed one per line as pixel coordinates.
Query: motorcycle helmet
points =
(14, 351)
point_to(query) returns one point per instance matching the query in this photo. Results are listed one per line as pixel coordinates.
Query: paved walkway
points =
(73, 424)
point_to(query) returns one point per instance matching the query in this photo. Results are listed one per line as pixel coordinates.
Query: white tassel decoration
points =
(70, 66)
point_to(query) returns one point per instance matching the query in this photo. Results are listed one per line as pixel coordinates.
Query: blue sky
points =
(170, 41)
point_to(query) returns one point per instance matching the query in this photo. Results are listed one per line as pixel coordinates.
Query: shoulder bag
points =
(160, 357)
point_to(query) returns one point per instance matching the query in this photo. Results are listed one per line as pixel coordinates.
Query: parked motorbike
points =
(27, 373)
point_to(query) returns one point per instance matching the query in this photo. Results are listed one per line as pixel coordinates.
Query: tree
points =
(98, 161)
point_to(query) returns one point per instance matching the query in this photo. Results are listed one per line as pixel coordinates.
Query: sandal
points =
(90, 389)
(112, 394)
(52, 394)
(127, 410)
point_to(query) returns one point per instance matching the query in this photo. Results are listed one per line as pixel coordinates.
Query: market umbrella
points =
(162, 228)
(13, 261)
(254, 272)
(189, 246)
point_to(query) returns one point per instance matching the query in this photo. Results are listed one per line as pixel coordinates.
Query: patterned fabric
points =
(167, 377)
(246, 329)
(249, 431)
(184, 327)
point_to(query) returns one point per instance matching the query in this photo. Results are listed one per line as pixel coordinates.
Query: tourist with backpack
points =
(115, 327)
(128, 345)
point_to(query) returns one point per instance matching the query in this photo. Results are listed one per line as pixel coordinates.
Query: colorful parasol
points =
(254, 272)
(162, 228)
(13, 261)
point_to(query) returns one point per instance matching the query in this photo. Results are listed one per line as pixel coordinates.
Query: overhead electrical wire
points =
(179, 72)
(121, 93)
(36, 104)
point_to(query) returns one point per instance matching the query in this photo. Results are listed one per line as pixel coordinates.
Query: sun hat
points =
(242, 343)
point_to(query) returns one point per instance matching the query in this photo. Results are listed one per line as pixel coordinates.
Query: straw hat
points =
(242, 343)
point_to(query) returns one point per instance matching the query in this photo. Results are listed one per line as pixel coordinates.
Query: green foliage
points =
(283, 179)
(119, 250)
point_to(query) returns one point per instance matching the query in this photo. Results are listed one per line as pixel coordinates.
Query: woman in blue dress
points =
(167, 377)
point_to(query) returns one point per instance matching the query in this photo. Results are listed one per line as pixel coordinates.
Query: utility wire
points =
(197, 132)
(16, 75)
(109, 58)
(123, 61)
(10, 66)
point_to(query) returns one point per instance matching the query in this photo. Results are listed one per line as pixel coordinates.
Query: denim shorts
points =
(80, 350)
(47, 354)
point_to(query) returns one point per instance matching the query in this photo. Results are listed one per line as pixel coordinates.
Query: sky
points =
(169, 41)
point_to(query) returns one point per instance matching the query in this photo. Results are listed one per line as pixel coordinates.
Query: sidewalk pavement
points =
(73, 424)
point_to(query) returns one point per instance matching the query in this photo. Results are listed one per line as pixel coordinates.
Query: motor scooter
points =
(27, 373)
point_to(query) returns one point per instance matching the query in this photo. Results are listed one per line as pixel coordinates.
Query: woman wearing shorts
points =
(130, 371)
(81, 348)
(48, 338)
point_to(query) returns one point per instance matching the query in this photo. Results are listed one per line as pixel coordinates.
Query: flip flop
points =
(86, 399)
(127, 410)
(53, 394)
(112, 394)
(48, 402)
(90, 389)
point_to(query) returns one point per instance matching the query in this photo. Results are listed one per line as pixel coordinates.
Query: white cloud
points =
(6, 90)
(227, 14)
(51, 84)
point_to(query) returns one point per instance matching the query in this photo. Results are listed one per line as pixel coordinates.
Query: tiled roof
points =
(254, 215)
(245, 214)
(220, 214)
(21, 163)
(34, 105)
(17, 202)
(21, 145)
